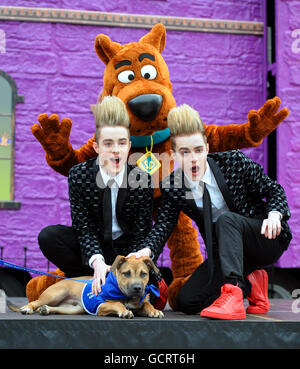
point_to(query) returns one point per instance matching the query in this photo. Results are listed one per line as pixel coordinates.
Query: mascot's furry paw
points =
(264, 120)
(53, 135)
(36, 286)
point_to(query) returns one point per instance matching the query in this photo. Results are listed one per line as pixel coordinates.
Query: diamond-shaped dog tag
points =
(148, 163)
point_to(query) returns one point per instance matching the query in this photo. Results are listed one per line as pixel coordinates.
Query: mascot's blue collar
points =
(144, 141)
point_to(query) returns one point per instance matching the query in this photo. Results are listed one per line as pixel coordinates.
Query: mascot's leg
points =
(185, 255)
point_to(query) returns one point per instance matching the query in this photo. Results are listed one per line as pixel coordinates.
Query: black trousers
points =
(239, 249)
(59, 245)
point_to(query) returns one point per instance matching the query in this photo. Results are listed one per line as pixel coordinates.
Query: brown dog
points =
(132, 276)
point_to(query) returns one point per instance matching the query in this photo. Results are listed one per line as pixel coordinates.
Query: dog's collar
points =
(148, 289)
(144, 141)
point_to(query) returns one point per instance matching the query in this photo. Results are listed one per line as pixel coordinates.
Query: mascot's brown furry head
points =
(138, 74)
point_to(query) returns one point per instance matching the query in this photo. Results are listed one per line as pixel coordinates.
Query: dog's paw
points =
(160, 314)
(156, 314)
(26, 310)
(44, 310)
(127, 314)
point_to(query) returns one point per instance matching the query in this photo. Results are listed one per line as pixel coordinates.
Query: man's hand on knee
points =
(271, 226)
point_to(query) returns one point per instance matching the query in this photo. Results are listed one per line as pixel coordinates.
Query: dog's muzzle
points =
(146, 107)
(136, 290)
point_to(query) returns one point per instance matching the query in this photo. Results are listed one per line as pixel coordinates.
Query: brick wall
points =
(56, 69)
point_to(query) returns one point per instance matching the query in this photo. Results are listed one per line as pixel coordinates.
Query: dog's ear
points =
(156, 37)
(150, 264)
(119, 261)
(105, 48)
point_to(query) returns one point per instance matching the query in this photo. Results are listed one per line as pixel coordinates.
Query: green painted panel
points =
(5, 180)
(5, 96)
(5, 137)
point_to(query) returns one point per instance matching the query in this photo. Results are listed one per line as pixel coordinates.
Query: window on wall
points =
(5, 139)
(8, 100)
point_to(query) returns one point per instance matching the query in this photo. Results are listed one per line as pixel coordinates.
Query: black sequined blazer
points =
(246, 189)
(133, 209)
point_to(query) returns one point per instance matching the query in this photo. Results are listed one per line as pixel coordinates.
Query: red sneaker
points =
(229, 305)
(258, 297)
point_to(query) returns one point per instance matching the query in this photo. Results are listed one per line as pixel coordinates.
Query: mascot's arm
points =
(54, 138)
(237, 136)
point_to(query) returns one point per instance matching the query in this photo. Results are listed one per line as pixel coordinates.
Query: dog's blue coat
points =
(110, 291)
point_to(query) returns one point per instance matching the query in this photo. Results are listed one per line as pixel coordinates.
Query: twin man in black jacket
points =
(240, 212)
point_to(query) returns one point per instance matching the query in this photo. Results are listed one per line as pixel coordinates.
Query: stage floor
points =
(279, 328)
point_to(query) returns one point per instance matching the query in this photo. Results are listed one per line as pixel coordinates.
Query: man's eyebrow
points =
(110, 139)
(195, 148)
(145, 55)
(122, 63)
(199, 147)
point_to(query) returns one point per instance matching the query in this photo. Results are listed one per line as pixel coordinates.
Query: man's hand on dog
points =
(143, 252)
(100, 271)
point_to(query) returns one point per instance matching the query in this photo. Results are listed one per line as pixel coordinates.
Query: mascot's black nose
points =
(145, 107)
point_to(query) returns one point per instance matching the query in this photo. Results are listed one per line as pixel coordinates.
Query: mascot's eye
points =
(148, 72)
(126, 76)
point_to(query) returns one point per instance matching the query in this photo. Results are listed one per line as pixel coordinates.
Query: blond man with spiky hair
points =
(109, 217)
(182, 120)
(112, 137)
(224, 194)
(111, 111)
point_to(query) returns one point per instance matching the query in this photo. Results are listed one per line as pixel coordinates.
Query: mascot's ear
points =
(156, 37)
(105, 48)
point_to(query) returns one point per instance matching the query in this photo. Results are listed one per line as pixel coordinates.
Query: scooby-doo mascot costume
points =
(137, 73)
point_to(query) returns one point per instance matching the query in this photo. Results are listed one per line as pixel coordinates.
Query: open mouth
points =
(115, 161)
(195, 170)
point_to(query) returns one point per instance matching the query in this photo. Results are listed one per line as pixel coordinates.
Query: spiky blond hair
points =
(183, 120)
(111, 111)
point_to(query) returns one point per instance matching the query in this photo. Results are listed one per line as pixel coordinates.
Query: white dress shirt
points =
(218, 203)
(116, 230)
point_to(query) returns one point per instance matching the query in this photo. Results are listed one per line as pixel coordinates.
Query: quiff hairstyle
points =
(183, 120)
(111, 111)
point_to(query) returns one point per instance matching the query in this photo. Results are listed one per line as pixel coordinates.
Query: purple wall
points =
(56, 69)
(288, 88)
